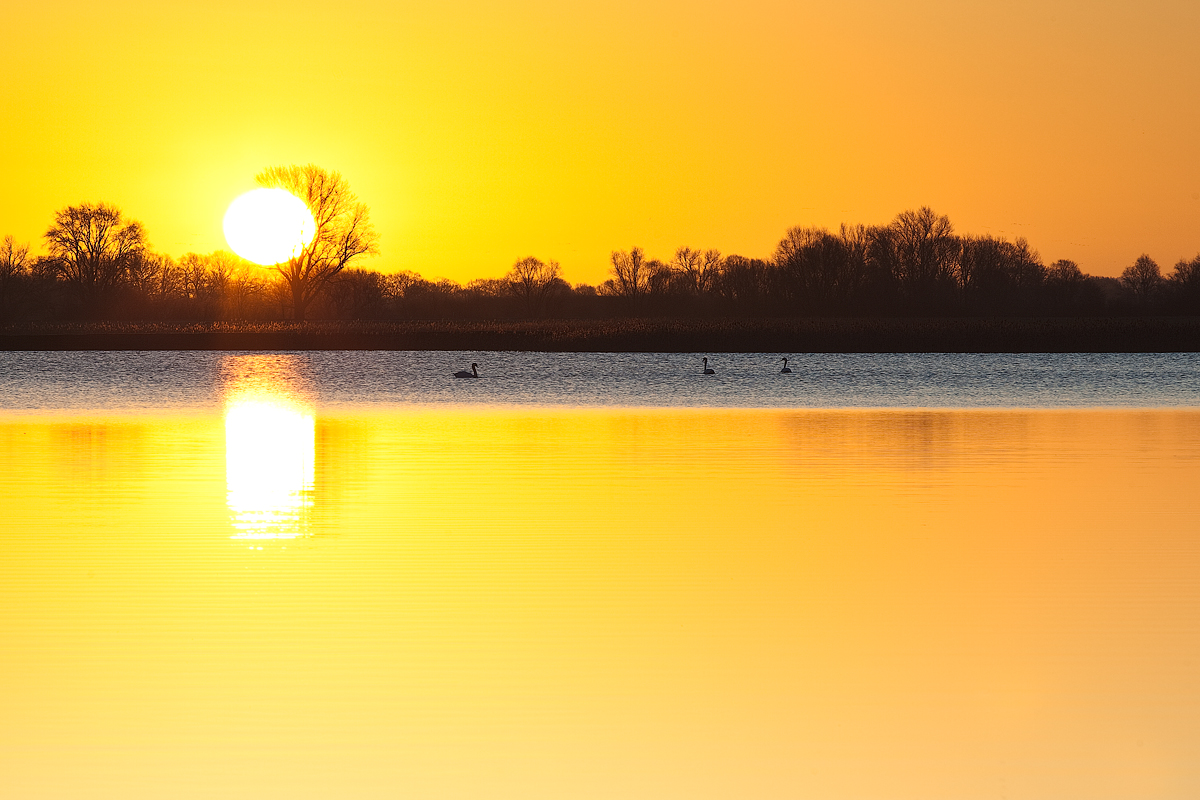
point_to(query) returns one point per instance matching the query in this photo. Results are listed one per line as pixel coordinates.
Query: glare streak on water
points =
(120, 380)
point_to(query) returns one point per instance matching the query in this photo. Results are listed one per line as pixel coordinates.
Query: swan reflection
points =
(269, 465)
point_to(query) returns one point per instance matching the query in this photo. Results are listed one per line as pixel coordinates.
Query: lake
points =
(599, 576)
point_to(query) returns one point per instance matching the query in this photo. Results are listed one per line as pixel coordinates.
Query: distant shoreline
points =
(784, 335)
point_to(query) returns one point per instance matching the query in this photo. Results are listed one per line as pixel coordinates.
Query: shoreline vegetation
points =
(772, 335)
(912, 285)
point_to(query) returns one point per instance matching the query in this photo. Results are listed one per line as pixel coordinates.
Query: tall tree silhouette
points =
(1185, 281)
(14, 264)
(532, 280)
(629, 271)
(688, 266)
(14, 258)
(925, 252)
(343, 230)
(1143, 279)
(93, 248)
(811, 265)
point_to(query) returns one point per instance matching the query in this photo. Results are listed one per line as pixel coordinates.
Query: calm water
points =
(199, 380)
(599, 576)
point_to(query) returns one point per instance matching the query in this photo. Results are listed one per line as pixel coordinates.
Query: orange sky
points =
(481, 132)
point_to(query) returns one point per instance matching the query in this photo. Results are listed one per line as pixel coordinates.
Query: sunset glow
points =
(481, 133)
(605, 399)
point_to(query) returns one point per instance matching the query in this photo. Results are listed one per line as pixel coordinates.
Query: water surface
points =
(198, 380)
(247, 576)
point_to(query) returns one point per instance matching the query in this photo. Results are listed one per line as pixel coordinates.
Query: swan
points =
(462, 373)
(785, 370)
(708, 371)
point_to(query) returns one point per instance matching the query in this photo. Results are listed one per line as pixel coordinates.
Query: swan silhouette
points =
(708, 371)
(462, 373)
(785, 369)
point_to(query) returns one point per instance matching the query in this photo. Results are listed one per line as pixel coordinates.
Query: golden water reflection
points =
(270, 450)
(564, 603)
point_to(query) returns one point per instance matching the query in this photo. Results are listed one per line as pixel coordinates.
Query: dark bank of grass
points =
(782, 335)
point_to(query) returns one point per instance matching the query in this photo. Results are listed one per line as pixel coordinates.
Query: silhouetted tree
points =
(710, 268)
(153, 286)
(358, 294)
(14, 269)
(915, 264)
(862, 287)
(1065, 272)
(533, 281)
(1068, 290)
(1142, 279)
(14, 258)
(219, 285)
(997, 275)
(629, 273)
(743, 281)
(924, 254)
(689, 275)
(343, 230)
(661, 280)
(487, 287)
(93, 248)
(687, 265)
(398, 283)
(814, 270)
(1185, 285)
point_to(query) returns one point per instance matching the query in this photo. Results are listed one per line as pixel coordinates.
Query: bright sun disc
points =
(268, 226)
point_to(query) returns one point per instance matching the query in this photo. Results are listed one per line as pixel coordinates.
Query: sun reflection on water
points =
(270, 447)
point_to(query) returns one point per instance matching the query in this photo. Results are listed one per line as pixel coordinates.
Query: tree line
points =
(97, 265)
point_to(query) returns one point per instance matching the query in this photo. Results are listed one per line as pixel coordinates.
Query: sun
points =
(268, 226)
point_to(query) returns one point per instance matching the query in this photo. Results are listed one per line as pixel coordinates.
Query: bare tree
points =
(1143, 278)
(245, 290)
(197, 278)
(795, 240)
(629, 272)
(14, 265)
(93, 247)
(154, 276)
(687, 266)
(1068, 290)
(217, 285)
(661, 280)
(1185, 282)
(1065, 272)
(532, 280)
(994, 270)
(742, 280)
(711, 263)
(488, 287)
(809, 266)
(14, 258)
(926, 250)
(358, 294)
(399, 284)
(693, 272)
(343, 229)
(856, 245)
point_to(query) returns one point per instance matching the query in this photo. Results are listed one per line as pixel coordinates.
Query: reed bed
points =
(783, 335)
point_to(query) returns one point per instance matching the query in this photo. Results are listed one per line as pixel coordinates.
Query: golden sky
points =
(480, 132)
